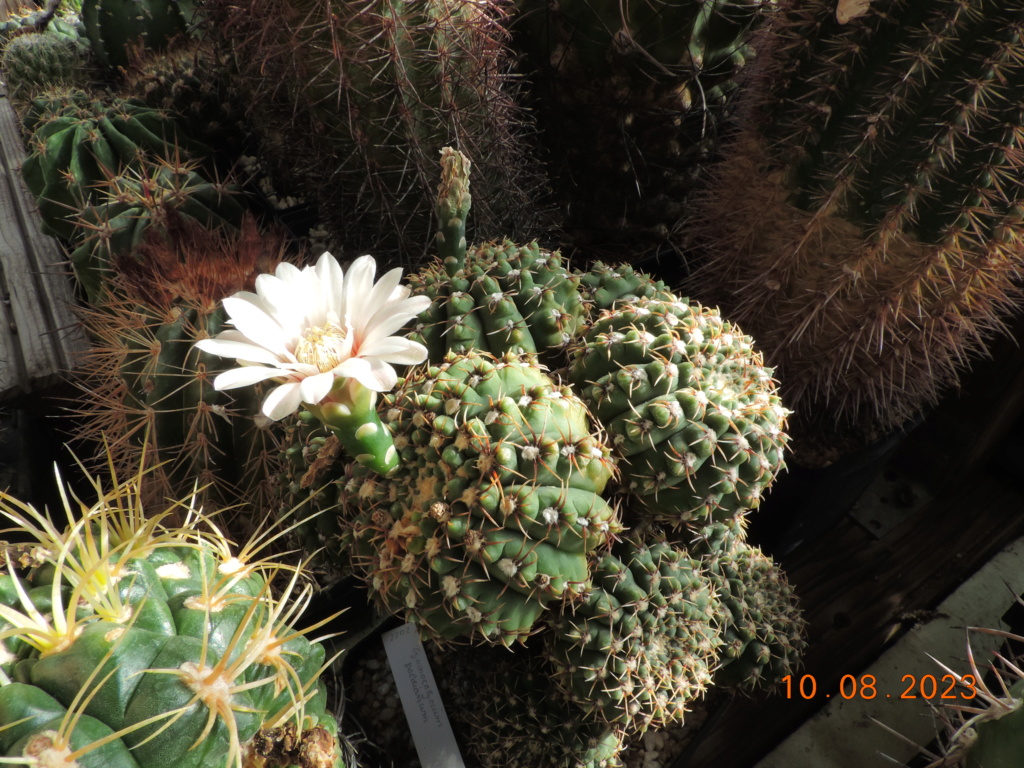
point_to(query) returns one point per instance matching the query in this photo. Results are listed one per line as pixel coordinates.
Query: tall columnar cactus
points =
(644, 641)
(123, 30)
(133, 643)
(495, 506)
(689, 406)
(78, 141)
(352, 101)
(630, 96)
(143, 376)
(865, 224)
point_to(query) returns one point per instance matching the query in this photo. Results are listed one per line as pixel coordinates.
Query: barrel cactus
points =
(689, 406)
(631, 96)
(352, 101)
(134, 642)
(143, 377)
(495, 506)
(128, 205)
(644, 641)
(864, 224)
(78, 141)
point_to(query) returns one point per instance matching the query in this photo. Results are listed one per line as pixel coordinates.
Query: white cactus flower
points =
(308, 328)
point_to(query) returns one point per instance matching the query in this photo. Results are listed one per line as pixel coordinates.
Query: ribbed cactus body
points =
(352, 101)
(688, 405)
(864, 225)
(122, 30)
(127, 205)
(630, 96)
(644, 641)
(152, 646)
(78, 142)
(496, 504)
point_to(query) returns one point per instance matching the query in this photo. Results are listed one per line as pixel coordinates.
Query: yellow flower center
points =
(322, 346)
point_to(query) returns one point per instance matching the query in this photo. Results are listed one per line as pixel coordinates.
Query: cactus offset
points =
(142, 373)
(644, 641)
(495, 505)
(865, 223)
(689, 406)
(136, 643)
(352, 100)
(764, 634)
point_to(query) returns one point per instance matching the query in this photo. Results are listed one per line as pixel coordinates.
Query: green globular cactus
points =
(351, 101)
(506, 713)
(142, 376)
(865, 222)
(66, 27)
(643, 642)
(495, 507)
(503, 297)
(38, 61)
(764, 634)
(630, 97)
(78, 141)
(134, 643)
(130, 204)
(121, 31)
(689, 406)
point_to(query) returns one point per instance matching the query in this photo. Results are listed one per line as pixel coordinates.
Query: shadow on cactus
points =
(864, 225)
(143, 373)
(143, 638)
(352, 100)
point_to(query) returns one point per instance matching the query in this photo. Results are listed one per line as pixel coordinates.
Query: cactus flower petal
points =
(307, 328)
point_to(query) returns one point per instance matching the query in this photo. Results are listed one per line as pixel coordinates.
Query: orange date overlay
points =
(945, 687)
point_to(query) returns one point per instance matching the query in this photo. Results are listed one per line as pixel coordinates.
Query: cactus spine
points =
(135, 643)
(865, 224)
(352, 101)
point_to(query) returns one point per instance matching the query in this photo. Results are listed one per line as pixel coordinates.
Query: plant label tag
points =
(421, 700)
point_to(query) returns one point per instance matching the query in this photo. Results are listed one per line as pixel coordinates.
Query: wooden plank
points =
(43, 337)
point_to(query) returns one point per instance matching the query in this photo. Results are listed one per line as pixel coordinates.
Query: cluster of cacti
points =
(127, 206)
(352, 100)
(24, 21)
(630, 96)
(689, 406)
(78, 141)
(643, 641)
(121, 31)
(142, 377)
(864, 224)
(495, 506)
(133, 642)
